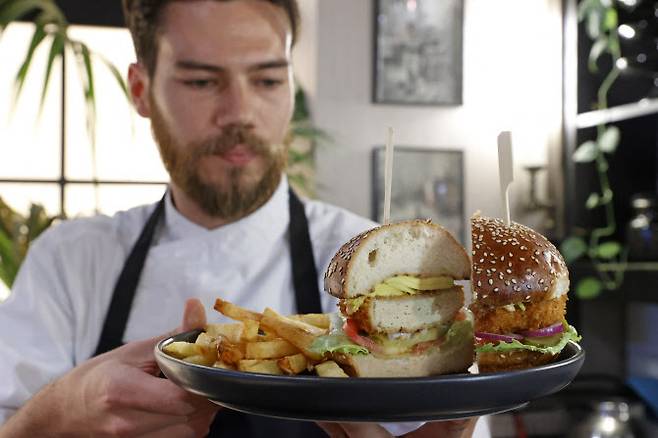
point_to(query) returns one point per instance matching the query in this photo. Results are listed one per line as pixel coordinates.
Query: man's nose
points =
(236, 104)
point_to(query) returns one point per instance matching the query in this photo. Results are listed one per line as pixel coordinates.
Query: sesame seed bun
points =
(513, 264)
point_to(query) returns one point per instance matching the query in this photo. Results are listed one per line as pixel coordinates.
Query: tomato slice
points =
(352, 331)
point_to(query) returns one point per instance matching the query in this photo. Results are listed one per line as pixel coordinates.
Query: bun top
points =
(419, 248)
(513, 264)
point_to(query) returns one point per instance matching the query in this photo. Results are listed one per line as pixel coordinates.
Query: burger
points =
(520, 284)
(401, 313)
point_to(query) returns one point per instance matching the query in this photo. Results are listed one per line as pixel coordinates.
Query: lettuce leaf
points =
(570, 334)
(337, 343)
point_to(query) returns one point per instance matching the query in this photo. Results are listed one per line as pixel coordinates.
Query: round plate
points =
(370, 399)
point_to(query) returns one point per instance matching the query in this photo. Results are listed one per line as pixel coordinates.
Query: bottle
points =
(642, 229)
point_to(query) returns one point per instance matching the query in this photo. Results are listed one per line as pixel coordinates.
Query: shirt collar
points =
(267, 223)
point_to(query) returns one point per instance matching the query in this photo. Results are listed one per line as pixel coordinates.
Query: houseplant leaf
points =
(586, 152)
(609, 140)
(19, 81)
(588, 288)
(608, 250)
(595, 52)
(9, 262)
(593, 201)
(573, 248)
(56, 49)
(117, 75)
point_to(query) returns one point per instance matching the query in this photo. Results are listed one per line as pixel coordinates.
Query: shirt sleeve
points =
(36, 329)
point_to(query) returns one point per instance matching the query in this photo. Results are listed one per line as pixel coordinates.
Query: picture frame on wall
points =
(427, 184)
(418, 57)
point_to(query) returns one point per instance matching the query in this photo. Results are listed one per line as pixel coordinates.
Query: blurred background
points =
(575, 81)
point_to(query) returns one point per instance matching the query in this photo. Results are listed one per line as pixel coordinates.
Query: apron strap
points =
(304, 272)
(126, 286)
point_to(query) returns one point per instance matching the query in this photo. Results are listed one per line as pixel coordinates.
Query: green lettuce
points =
(337, 343)
(570, 334)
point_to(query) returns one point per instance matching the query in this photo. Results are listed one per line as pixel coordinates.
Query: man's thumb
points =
(194, 317)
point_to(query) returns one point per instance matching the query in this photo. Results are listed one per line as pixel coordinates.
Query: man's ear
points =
(139, 86)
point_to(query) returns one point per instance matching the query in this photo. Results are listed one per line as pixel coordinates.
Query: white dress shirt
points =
(52, 321)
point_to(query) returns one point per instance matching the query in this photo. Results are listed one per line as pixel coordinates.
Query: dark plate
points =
(370, 399)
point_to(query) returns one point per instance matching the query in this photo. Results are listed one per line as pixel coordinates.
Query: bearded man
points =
(95, 295)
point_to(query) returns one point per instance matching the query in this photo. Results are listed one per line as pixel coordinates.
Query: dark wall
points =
(95, 12)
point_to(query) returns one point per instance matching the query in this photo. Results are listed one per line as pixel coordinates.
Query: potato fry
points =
(294, 364)
(232, 332)
(267, 366)
(317, 319)
(329, 369)
(298, 333)
(250, 332)
(274, 349)
(229, 352)
(199, 359)
(181, 350)
(207, 346)
(235, 312)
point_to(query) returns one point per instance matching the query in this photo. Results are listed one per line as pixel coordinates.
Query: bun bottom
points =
(492, 362)
(451, 357)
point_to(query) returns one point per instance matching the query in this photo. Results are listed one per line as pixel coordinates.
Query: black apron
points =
(228, 423)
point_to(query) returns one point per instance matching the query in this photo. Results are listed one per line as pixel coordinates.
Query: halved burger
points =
(401, 313)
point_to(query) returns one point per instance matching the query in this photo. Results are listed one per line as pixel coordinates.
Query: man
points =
(215, 79)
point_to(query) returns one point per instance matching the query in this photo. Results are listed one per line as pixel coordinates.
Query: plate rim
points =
(161, 355)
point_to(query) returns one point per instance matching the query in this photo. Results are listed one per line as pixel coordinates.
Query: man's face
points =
(220, 101)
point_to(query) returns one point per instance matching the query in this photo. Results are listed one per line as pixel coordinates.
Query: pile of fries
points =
(267, 343)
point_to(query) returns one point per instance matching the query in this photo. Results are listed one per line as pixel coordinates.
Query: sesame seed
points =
(527, 286)
(514, 280)
(496, 289)
(502, 258)
(481, 260)
(479, 283)
(509, 271)
(490, 281)
(522, 259)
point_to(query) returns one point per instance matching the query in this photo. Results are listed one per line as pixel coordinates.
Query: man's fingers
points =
(194, 316)
(333, 430)
(197, 426)
(153, 394)
(448, 429)
(370, 430)
(140, 353)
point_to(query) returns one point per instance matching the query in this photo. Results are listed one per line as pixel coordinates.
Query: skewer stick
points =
(505, 170)
(388, 176)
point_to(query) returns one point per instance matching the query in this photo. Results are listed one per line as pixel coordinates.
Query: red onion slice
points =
(498, 337)
(551, 330)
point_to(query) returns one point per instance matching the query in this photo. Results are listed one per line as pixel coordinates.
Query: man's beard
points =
(235, 198)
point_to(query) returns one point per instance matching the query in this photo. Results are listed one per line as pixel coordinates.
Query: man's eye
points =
(199, 83)
(269, 82)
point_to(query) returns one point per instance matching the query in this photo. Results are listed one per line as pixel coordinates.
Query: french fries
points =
(267, 343)
(330, 369)
(298, 333)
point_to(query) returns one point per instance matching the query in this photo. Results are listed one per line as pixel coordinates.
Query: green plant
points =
(16, 233)
(51, 25)
(303, 138)
(601, 20)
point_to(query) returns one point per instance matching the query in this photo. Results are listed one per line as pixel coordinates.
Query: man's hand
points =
(439, 429)
(117, 394)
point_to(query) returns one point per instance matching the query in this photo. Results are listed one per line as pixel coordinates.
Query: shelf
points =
(617, 113)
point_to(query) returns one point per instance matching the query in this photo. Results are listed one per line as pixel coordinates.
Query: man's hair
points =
(143, 19)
